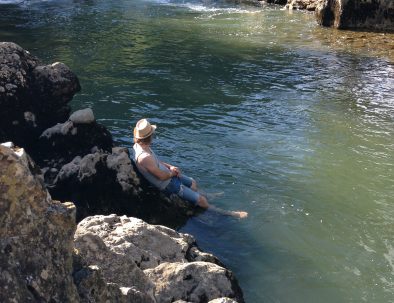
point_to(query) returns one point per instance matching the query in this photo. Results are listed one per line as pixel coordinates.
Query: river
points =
(293, 122)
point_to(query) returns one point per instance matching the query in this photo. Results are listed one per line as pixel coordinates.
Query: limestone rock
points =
(346, 14)
(35, 235)
(147, 245)
(192, 282)
(154, 260)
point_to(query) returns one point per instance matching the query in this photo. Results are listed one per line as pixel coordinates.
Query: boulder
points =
(193, 282)
(347, 14)
(36, 235)
(154, 260)
(33, 96)
(309, 5)
(77, 136)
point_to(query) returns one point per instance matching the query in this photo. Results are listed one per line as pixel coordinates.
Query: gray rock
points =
(83, 116)
(122, 246)
(33, 97)
(146, 245)
(223, 300)
(35, 235)
(192, 282)
(309, 5)
(345, 14)
(116, 265)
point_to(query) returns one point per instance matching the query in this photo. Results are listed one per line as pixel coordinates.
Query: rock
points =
(35, 235)
(147, 245)
(346, 14)
(192, 282)
(281, 2)
(154, 260)
(83, 116)
(63, 142)
(309, 5)
(222, 300)
(33, 97)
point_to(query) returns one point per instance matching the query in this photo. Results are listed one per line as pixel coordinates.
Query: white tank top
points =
(138, 151)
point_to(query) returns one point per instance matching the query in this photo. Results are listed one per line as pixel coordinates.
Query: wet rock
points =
(346, 14)
(35, 235)
(154, 260)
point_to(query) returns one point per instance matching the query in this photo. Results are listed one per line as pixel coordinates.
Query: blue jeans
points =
(181, 186)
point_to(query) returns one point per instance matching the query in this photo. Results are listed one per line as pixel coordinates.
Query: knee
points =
(202, 202)
(194, 185)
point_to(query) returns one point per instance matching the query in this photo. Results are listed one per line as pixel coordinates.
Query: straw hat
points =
(143, 129)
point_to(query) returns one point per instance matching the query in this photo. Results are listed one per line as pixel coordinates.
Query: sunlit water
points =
(292, 121)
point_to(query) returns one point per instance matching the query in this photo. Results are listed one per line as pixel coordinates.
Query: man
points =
(164, 176)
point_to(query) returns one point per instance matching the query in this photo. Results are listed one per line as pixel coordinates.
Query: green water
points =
(293, 122)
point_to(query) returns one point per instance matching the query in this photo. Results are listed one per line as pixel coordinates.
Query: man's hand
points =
(175, 170)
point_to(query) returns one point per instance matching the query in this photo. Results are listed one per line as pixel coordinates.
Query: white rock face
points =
(83, 116)
(152, 259)
(120, 161)
(194, 282)
(59, 129)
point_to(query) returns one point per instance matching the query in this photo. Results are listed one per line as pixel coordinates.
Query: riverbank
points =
(292, 121)
(346, 14)
(76, 158)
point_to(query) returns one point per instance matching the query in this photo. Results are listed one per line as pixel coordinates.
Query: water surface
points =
(292, 121)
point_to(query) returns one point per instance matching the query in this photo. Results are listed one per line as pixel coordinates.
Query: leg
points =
(189, 182)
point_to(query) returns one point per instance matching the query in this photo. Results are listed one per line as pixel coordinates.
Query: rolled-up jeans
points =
(181, 186)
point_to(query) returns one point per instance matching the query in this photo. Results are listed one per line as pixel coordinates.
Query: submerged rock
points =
(346, 14)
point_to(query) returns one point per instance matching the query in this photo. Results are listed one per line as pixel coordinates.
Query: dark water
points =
(293, 122)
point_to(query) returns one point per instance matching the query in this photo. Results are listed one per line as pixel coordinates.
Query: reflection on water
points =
(292, 121)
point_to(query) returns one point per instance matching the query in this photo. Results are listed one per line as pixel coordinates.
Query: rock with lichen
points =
(36, 235)
(165, 264)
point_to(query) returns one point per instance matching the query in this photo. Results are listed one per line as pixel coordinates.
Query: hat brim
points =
(153, 129)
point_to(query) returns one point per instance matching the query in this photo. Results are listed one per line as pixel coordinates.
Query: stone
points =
(36, 235)
(192, 282)
(83, 116)
(33, 96)
(348, 14)
(147, 245)
(223, 300)
(154, 260)
(309, 5)
(68, 140)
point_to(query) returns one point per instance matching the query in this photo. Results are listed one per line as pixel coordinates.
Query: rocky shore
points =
(111, 256)
(347, 14)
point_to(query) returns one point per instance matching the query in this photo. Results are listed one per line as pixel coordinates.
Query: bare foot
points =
(240, 214)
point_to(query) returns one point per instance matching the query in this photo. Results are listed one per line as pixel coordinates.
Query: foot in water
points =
(240, 214)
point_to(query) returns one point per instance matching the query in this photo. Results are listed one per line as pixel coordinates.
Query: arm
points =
(172, 168)
(150, 165)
